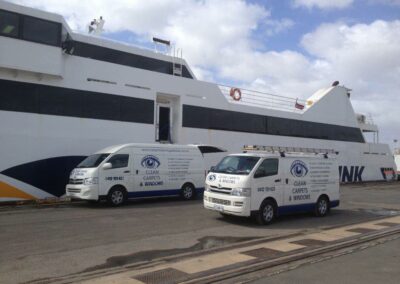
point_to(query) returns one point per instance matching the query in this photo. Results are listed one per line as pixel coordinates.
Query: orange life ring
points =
(236, 94)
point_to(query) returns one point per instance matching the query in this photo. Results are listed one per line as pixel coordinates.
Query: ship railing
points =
(264, 100)
(369, 119)
(365, 119)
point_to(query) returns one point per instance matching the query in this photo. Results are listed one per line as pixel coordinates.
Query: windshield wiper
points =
(242, 172)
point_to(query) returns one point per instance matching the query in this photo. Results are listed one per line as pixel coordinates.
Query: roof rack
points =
(281, 149)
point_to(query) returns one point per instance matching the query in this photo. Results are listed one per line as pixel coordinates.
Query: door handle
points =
(278, 180)
(126, 172)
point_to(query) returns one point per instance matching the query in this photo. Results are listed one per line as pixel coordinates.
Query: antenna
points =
(162, 41)
(159, 41)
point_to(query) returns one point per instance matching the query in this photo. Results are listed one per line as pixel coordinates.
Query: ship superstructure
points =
(65, 95)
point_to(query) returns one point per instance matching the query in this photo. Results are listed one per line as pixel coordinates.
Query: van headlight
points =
(241, 192)
(91, 181)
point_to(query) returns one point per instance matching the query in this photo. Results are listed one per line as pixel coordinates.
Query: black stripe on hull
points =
(50, 175)
(43, 99)
(217, 119)
(125, 58)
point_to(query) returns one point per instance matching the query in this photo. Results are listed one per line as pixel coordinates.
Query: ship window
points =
(217, 119)
(9, 24)
(41, 31)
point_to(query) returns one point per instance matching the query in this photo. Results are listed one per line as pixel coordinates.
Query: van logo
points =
(150, 162)
(299, 169)
(212, 177)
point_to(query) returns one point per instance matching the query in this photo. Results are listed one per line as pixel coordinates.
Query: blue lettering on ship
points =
(351, 175)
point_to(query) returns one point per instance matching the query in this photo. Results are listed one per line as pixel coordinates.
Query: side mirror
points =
(107, 166)
(212, 169)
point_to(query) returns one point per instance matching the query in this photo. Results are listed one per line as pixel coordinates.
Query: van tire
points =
(117, 196)
(322, 206)
(188, 191)
(266, 213)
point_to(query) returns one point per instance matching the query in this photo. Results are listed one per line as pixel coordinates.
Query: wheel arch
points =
(188, 182)
(324, 195)
(117, 186)
(273, 200)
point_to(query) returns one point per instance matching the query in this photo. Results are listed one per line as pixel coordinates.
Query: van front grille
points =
(220, 201)
(223, 190)
(74, 190)
(75, 181)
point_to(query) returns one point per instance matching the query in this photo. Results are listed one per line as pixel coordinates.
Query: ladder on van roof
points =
(282, 149)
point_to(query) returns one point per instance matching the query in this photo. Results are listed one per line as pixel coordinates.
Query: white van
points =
(127, 171)
(266, 182)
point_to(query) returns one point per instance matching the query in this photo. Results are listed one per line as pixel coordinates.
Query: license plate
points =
(219, 208)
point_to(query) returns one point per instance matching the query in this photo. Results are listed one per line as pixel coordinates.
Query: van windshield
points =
(93, 161)
(239, 165)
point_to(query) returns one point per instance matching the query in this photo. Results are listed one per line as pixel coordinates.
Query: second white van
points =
(137, 170)
(265, 184)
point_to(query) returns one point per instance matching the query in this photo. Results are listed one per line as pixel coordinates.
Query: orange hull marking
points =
(9, 191)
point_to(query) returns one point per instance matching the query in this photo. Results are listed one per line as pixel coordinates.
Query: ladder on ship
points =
(177, 66)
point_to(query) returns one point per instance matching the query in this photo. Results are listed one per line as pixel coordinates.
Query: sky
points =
(285, 47)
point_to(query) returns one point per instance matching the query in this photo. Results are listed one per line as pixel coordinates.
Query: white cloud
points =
(323, 4)
(138, 16)
(387, 2)
(366, 58)
(278, 26)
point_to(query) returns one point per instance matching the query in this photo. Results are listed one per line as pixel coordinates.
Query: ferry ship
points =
(65, 95)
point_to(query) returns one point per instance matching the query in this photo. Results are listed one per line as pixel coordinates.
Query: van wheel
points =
(188, 192)
(322, 207)
(117, 196)
(266, 214)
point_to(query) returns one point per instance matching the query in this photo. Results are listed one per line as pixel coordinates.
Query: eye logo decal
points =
(211, 177)
(150, 162)
(298, 169)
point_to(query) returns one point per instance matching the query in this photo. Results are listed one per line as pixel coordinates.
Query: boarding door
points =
(268, 181)
(164, 122)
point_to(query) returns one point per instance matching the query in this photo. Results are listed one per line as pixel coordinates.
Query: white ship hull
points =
(56, 107)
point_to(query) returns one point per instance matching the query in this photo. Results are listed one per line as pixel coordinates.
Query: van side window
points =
(269, 167)
(119, 161)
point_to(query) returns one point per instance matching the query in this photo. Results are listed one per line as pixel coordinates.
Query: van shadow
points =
(154, 202)
(303, 221)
